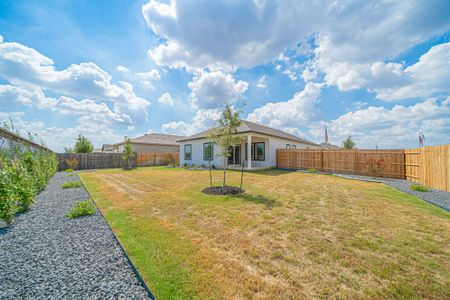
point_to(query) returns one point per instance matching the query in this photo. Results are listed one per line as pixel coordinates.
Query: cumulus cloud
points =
(294, 113)
(203, 120)
(56, 138)
(166, 99)
(210, 33)
(211, 90)
(24, 66)
(205, 33)
(146, 78)
(395, 127)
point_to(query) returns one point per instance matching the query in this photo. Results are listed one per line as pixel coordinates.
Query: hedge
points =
(24, 172)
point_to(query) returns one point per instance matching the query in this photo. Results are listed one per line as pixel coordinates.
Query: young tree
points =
(348, 143)
(225, 136)
(127, 152)
(83, 145)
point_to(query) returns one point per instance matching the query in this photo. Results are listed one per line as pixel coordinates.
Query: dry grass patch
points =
(291, 235)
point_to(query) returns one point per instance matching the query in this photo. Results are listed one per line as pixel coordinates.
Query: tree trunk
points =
(242, 177)
(224, 171)
(210, 175)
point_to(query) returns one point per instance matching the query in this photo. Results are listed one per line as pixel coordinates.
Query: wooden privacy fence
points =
(429, 166)
(344, 161)
(87, 161)
(145, 159)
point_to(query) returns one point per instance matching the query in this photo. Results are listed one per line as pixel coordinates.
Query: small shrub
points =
(70, 185)
(72, 164)
(203, 166)
(68, 170)
(312, 170)
(81, 208)
(213, 166)
(418, 188)
(185, 165)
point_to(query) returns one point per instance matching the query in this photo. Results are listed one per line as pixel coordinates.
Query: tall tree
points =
(225, 136)
(348, 143)
(83, 145)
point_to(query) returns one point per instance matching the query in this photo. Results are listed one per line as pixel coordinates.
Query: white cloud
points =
(24, 66)
(57, 138)
(262, 82)
(166, 99)
(294, 113)
(123, 69)
(397, 127)
(211, 33)
(146, 78)
(213, 89)
(1, 38)
(204, 119)
(206, 33)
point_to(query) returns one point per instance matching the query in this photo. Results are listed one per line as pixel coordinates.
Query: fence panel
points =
(344, 161)
(87, 161)
(429, 166)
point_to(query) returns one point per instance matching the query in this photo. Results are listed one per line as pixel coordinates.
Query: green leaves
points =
(83, 145)
(23, 173)
(81, 208)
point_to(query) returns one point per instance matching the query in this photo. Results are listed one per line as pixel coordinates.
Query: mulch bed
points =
(217, 190)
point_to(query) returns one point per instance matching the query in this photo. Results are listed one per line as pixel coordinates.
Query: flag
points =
(326, 135)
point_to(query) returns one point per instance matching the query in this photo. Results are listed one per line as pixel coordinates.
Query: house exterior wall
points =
(270, 143)
(149, 148)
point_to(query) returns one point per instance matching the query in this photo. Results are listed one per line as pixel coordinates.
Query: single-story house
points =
(152, 142)
(198, 149)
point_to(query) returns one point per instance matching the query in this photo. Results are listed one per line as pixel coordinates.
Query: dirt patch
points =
(218, 190)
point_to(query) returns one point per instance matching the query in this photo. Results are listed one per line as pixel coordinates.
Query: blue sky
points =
(108, 69)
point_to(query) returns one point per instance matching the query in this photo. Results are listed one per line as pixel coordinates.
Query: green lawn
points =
(291, 235)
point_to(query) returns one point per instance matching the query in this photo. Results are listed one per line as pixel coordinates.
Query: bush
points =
(72, 163)
(69, 170)
(418, 188)
(81, 208)
(24, 172)
(71, 184)
(312, 170)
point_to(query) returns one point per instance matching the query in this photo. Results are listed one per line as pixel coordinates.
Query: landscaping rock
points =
(44, 255)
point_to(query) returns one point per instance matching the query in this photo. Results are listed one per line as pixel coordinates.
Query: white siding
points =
(271, 144)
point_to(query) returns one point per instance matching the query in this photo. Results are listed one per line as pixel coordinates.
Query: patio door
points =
(235, 155)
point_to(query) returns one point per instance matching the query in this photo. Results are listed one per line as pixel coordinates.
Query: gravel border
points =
(46, 256)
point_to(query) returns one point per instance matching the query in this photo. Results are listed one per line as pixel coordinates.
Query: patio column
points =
(249, 151)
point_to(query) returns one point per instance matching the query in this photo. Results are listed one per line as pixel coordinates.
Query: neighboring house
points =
(329, 146)
(152, 142)
(264, 141)
(107, 148)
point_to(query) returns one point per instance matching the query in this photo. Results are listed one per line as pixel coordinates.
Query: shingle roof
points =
(156, 139)
(247, 126)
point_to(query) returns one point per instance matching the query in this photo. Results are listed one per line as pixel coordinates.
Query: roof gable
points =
(247, 126)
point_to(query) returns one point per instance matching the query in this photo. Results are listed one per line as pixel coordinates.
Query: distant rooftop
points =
(247, 126)
(155, 139)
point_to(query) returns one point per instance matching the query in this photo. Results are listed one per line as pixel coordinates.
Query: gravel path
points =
(46, 256)
(436, 197)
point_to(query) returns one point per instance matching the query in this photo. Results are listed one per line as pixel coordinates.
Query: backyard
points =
(290, 235)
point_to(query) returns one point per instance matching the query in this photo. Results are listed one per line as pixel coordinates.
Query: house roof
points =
(155, 139)
(329, 146)
(249, 127)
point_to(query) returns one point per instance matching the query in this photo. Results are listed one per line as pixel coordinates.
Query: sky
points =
(376, 70)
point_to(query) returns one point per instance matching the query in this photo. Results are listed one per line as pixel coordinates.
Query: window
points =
(257, 151)
(188, 152)
(288, 146)
(294, 147)
(208, 151)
